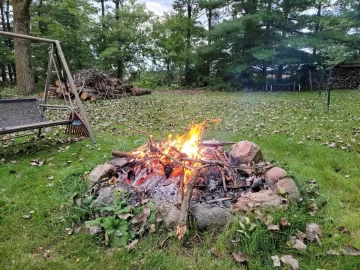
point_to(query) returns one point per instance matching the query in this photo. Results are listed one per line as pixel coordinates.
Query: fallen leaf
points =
(289, 260)
(313, 232)
(152, 228)
(284, 222)
(297, 243)
(240, 257)
(272, 227)
(158, 220)
(69, 231)
(77, 260)
(276, 261)
(300, 235)
(26, 216)
(343, 230)
(213, 252)
(125, 215)
(132, 244)
(333, 252)
(142, 217)
(94, 230)
(312, 208)
(350, 251)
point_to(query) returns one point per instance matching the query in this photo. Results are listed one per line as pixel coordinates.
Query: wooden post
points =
(329, 88)
(310, 80)
(321, 81)
(73, 88)
(48, 75)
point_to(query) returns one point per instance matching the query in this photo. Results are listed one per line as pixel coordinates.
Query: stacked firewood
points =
(341, 78)
(93, 85)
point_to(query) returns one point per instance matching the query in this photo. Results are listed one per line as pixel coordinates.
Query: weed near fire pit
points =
(122, 222)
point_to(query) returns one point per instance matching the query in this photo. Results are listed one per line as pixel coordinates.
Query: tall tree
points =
(124, 44)
(24, 71)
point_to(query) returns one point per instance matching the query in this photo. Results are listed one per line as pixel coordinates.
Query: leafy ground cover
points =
(294, 131)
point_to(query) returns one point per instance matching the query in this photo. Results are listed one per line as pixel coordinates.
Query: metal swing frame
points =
(36, 108)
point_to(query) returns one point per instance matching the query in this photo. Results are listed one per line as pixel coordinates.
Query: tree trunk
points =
(3, 27)
(279, 73)
(102, 9)
(3, 73)
(317, 25)
(24, 72)
(120, 63)
(2, 16)
(11, 67)
(188, 42)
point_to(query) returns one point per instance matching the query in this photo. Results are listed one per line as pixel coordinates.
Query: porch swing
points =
(29, 113)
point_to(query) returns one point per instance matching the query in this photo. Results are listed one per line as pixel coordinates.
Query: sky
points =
(158, 7)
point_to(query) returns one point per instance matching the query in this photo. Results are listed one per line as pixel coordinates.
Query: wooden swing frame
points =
(40, 122)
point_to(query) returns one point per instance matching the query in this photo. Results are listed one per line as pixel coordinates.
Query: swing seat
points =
(25, 114)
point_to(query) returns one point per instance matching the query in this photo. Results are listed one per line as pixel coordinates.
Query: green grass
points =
(293, 131)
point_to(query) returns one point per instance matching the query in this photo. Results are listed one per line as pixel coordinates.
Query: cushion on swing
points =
(19, 112)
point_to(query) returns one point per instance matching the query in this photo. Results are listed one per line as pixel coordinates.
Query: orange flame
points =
(189, 142)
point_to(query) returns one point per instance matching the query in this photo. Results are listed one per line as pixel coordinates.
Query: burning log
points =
(121, 154)
(181, 227)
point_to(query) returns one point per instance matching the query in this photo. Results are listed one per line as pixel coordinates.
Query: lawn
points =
(294, 130)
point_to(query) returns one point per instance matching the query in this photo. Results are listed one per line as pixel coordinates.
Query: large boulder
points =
(208, 217)
(289, 187)
(245, 152)
(100, 172)
(273, 175)
(263, 199)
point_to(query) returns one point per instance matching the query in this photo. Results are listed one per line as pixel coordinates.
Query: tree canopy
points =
(239, 43)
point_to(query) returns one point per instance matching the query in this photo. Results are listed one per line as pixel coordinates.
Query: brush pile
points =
(94, 84)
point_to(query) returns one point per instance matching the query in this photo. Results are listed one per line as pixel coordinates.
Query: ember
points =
(187, 172)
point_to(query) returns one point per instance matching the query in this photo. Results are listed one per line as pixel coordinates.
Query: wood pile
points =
(342, 78)
(93, 85)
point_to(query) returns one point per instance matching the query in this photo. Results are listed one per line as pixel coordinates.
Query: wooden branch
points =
(220, 200)
(180, 195)
(213, 143)
(121, 154)
(181, 227)
(223, 180)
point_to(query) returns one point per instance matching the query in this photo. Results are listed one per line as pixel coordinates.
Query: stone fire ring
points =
(276, 192)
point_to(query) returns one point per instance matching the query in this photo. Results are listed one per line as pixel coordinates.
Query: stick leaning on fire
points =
(185, 192)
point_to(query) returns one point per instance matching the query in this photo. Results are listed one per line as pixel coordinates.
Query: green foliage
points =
(122, 222)
(246, 227)
(69, 21)
(121, 39)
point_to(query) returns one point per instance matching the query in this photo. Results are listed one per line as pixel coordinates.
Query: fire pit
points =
(186, 174)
